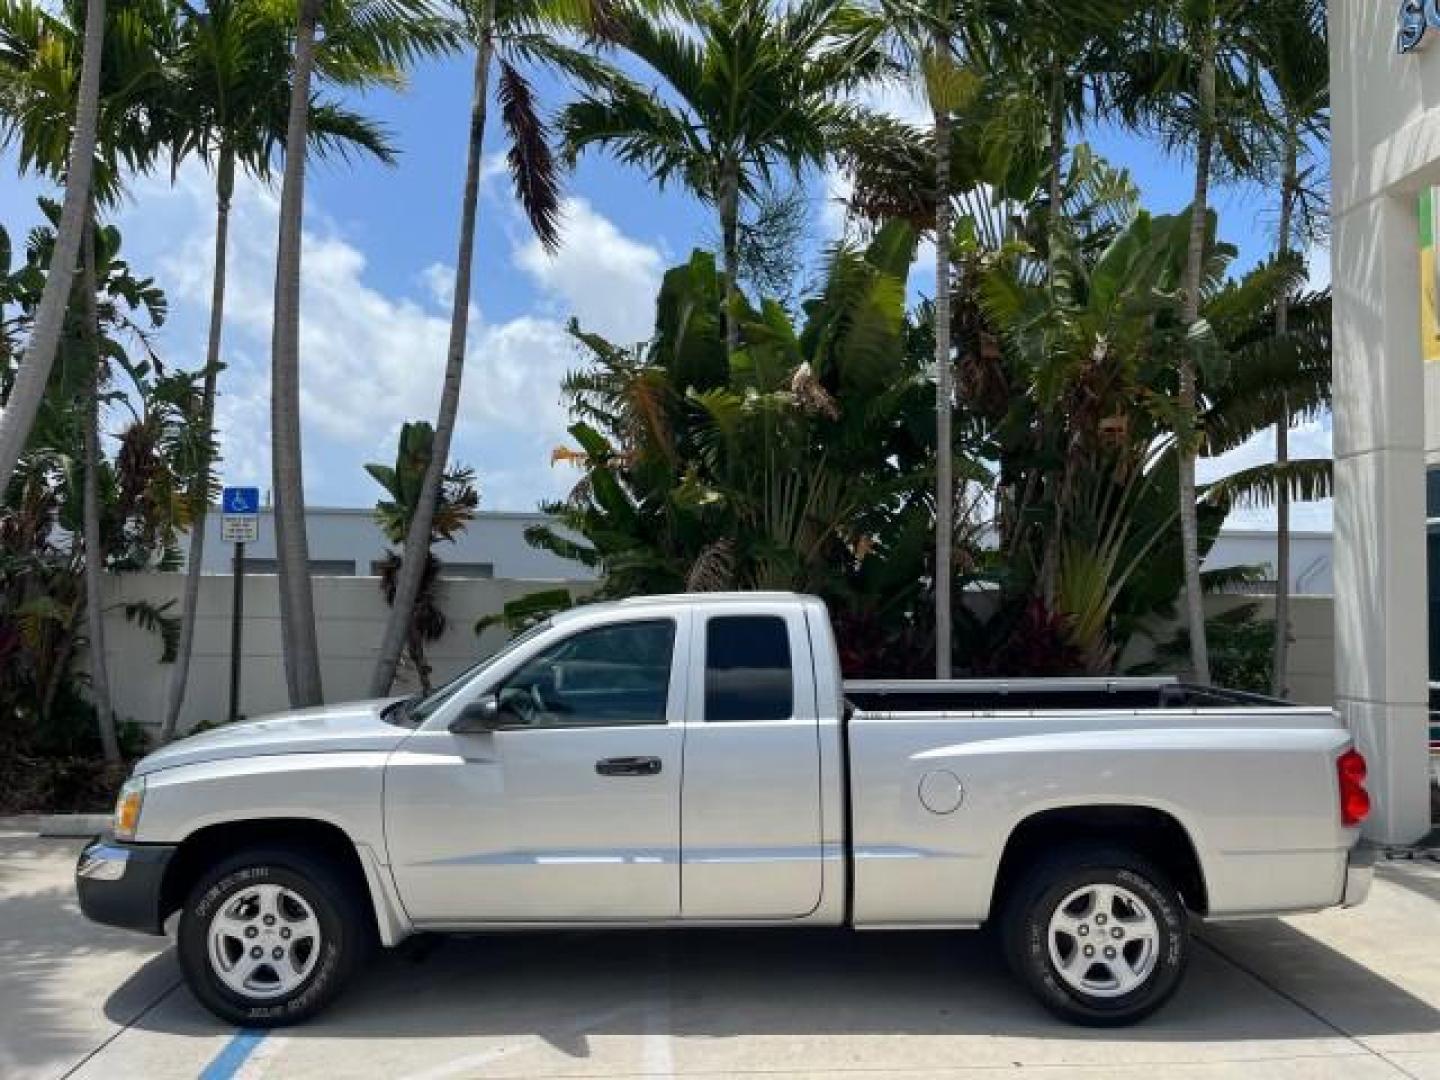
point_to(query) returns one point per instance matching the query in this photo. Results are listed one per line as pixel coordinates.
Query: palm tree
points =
(382, 34)
(1190, 75)
(749, 89)
(1294, 55)
(230, 95)
(1057, 59)
(922, 36)
(37, 81)
(92, 457)
(16, 67)
(510, 32)
(124, 512)
(453, 507)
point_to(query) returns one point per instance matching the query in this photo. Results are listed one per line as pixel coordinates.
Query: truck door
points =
(750, 806)
(573, 811)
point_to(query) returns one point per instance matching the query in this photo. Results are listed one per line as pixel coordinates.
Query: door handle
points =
(628, 766)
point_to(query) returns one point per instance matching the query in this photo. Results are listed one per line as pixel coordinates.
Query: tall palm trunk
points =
(90, 508)
(1050, 560)
(297, 603)
(179, 675)
(18, 415)
(1186, 442)
(1057, 157)
(944, 440)
(398, 627)
(1280, 675)
(729, 205)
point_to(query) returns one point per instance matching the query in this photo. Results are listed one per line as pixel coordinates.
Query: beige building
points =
(1385, 92)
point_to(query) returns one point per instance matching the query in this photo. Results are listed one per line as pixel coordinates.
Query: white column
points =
(1381, 655)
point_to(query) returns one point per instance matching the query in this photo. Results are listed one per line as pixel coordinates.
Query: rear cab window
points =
(749, 670)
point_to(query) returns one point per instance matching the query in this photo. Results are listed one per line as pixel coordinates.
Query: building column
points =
(1381, 653)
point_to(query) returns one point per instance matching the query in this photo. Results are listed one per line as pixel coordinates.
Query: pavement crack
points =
(126, 1026)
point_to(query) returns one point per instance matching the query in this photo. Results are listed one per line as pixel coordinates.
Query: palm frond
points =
(532, 166)
(1306, 479)
(158, 620)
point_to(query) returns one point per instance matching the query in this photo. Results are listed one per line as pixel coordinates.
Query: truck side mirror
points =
(481, 715)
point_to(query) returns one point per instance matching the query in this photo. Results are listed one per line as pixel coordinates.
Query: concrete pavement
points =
(1353, 994)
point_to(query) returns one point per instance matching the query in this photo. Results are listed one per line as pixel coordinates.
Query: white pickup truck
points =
(697, 761)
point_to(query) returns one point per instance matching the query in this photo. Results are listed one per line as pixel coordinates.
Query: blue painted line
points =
(237, 1051)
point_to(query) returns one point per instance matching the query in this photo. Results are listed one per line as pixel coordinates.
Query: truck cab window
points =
(747, 669)
(609, 675)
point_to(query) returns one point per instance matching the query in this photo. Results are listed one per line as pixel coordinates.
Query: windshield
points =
(418, 710)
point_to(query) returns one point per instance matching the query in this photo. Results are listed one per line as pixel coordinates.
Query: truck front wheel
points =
(270, 936)
(1098, 934)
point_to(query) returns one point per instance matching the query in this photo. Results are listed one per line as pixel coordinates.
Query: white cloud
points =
(493, 166)
(903, 99)
(601, 276)
(439, 282)
(370, 360)
(1311, 439)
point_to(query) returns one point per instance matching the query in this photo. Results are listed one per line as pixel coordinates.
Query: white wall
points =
(350, 616)
(350, 534)
(1312, 650)
(1311, 572)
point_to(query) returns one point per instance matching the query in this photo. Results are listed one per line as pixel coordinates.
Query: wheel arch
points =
(207, 845)
(1151, 832)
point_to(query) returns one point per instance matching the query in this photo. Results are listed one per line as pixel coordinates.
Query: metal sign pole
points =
(239, 525)
(237, 614)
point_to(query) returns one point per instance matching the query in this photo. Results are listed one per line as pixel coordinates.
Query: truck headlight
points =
(127, 808)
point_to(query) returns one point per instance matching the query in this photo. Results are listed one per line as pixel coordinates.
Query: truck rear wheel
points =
(270, 936)
(1098, 934)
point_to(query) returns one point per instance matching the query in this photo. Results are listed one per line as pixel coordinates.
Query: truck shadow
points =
(48, 951)
(565, 988)
(1421, 876)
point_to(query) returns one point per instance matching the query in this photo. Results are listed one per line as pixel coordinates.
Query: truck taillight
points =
(1354, 799)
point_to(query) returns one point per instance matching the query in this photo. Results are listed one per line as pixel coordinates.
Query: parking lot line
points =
(234, 1055)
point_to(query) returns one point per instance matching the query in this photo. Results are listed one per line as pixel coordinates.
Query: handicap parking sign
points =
(239, 515)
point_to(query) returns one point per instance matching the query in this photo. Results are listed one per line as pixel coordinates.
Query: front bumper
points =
(1359, 873)
(122, 884)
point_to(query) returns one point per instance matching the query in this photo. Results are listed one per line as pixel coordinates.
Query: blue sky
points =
(379, 248)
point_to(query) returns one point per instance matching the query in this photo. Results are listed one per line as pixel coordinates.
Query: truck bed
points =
(1248, 782)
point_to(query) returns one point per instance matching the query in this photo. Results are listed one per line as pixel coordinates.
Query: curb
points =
(58, 826)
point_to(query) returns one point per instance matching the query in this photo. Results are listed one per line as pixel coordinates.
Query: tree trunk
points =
(224, 190)
(1186, 434)
(59, 664)
(1057, 158)
(411, 573)
(1279, 678)
(729, 201)
(944, 394)
(297, 603)
(1050, 560)
(94, 545)
(17, 416)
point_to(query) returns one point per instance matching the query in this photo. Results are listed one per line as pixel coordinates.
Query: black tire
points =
(339, 906)
(1036, 898)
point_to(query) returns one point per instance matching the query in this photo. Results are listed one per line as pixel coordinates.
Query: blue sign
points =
(240, 500)
(239, 515)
